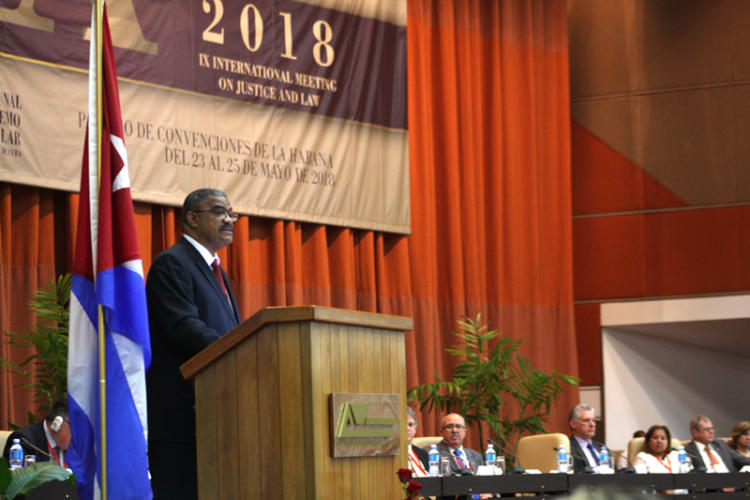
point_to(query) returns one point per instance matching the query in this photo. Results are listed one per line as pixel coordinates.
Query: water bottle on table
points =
(562, 459)
(490, 457)
(683, 459)
(604, 460)
(16, 455)
(434, 460)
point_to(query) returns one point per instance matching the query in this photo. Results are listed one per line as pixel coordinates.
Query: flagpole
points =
(102, 347)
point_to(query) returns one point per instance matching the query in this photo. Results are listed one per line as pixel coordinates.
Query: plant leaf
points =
(27, 478)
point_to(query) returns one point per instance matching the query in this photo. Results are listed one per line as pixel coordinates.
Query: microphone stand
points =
(630, 469)
(35, 448)
(515, 470)
(700, 468)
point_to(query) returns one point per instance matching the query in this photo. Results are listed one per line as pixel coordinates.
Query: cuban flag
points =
(108, 280)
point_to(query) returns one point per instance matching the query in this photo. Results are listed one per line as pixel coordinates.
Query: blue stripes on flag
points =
(122, 292)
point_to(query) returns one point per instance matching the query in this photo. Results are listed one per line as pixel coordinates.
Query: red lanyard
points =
(666, 466)
(416, 461)
(54, 455)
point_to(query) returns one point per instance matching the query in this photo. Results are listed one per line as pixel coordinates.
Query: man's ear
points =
(191, 219)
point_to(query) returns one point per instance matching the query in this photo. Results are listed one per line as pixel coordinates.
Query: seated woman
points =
(657, 455)
(740, 441)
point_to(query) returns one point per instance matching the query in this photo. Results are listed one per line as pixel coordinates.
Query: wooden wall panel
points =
(227, 422)
(608, 258)
(207, 447)
(269, 411)
(292, 416)
(589, 345)
(248, 410)
(683, 252)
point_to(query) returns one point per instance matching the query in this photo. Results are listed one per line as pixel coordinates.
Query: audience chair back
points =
(538, 452)
(635, 446)
(425, 442)
(3, 438)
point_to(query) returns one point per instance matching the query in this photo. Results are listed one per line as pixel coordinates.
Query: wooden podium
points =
(262, 404)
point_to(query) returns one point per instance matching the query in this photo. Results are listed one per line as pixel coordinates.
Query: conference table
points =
(699, 485)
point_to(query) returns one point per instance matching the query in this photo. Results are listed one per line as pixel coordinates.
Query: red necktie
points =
(220, 279)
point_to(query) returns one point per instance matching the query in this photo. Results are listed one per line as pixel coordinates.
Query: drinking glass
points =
(445, 466)
(500, 463)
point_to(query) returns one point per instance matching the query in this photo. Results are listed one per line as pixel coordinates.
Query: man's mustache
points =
(226, 226)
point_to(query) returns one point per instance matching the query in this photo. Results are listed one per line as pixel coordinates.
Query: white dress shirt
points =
(205, 253)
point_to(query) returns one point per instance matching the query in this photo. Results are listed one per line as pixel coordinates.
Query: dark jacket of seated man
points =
(582, 423)
(702, 431)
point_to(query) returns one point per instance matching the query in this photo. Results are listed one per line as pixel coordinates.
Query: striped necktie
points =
(459, 459)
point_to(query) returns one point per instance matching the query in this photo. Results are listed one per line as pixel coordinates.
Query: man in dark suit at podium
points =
(190, 304)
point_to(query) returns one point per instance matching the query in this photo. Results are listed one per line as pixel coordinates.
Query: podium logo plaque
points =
(364, 425)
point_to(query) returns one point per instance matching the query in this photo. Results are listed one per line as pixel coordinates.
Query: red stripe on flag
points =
(115, 209)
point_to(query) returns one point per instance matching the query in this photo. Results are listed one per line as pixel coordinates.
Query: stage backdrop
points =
(297, 110)
(489, 145)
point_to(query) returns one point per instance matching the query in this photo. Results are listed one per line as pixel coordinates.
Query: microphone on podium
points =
(515, 470)
(625, 470)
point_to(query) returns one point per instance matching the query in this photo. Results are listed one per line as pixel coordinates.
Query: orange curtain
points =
(490, 166)
(490, 196)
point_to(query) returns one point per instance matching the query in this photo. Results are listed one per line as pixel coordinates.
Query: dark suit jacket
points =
(187, 311)
(579, 457)
(34, 434)
(475, 458)
(423, 456)
(734, 461)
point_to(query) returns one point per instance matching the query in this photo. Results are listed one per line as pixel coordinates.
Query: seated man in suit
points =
(709, 454)
(418, 460)
(462, 460)
(583, 449)
(48, 439)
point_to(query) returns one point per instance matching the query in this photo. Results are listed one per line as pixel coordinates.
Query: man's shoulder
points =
(31, 432)
(597, 445)
(574, 441)
(34, 429)
(179, 253)
(441, 446)
(180, 248)
(721, 444)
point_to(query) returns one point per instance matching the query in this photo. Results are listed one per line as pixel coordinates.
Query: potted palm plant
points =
(493, 385)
